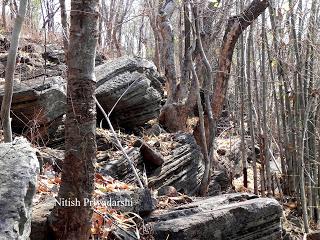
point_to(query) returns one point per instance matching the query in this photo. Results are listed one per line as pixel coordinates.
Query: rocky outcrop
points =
(232, 216)
(180, 165)
(19, 167)
(37, 105)
(182, 168)
(136, 83)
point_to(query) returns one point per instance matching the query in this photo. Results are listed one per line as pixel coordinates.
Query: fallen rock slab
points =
(19, 167)
(182, 168)
(231, 216)
(37, 105)
(136, 83)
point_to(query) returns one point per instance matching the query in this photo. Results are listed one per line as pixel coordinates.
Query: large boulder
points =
(231, 216)
(136, 83)
(19, 167)
(37, 105)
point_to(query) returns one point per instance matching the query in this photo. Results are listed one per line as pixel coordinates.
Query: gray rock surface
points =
(141, 102)
(183, 167)
(40, 213)
(139, 201)
(37, 105)
(19, 167)
(231, 216)
(219, 183)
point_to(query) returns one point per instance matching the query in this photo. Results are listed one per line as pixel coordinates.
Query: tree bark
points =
(250, 123)
(3, 13)
(236, 25)
(168, 50)
(10, 67)
(74, 222)
(241, 78)
(265, 139)
(64, 23)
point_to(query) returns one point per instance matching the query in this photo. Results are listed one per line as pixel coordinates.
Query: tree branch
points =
(236, 25)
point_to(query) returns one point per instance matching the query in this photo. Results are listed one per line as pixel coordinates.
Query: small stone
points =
(169, 191)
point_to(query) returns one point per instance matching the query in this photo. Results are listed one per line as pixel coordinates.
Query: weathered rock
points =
(34, 69)
(231, 216)
(40, 214)
(37, 105)
(4, 43)
(183, 167)
(53, 54)
(19, 167)
(137, 201)
(219, 183)
(142, 84)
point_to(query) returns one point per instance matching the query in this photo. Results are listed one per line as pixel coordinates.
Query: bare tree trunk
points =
(250, 113)
(10, 67)
(207, 89)
(64, 23)
(314, 117)
(264, 111)
(236, 25)
(258, 102)
(284, 162)
(302, 170)
(174, 114)
(205, 179)
(168, 50)
(4, 20)
(286, 136)
(74, 222)
(241, 78)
